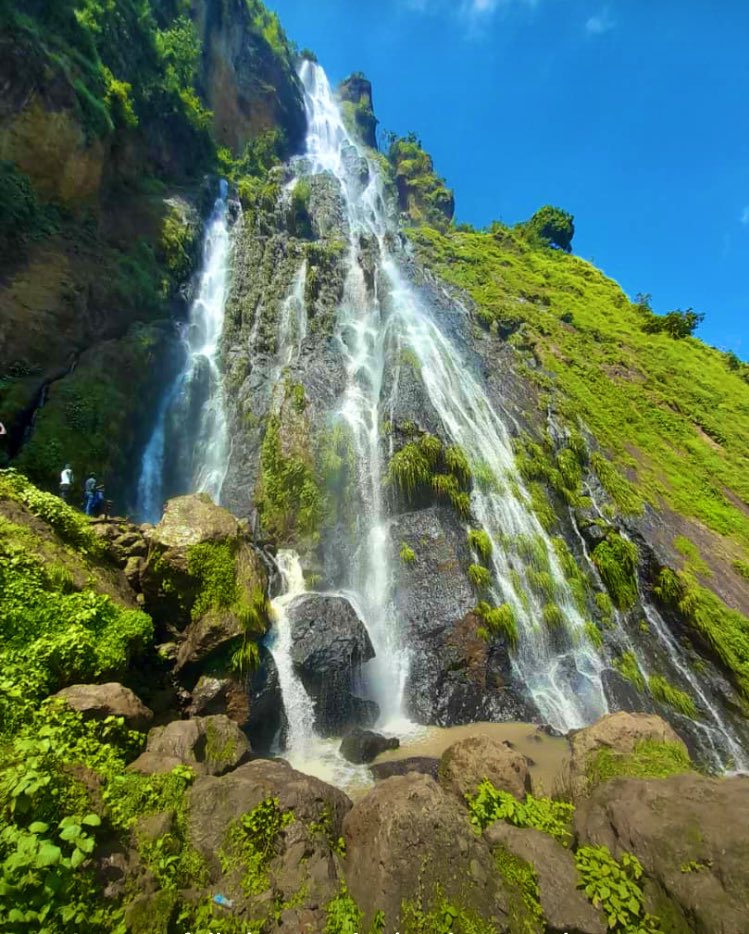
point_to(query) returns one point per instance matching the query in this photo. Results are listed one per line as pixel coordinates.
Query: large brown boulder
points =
(690, 834)
(565, 906)
(303, 868)
(203, 576)
(409, 840)
(620, 732)
(99, 701)
(210, 745)
(465, 764)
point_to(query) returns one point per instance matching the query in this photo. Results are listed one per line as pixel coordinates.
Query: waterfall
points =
(560, 670)
(190, 440)
(300, 713)
(360, 337)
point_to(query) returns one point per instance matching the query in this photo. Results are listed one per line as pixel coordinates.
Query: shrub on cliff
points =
(552, 227)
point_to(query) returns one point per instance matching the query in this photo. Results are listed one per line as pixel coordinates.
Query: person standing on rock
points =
(89, 489)
(66, 481)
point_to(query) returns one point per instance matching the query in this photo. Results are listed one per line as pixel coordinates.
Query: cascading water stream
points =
(562, 674)
(197, 451)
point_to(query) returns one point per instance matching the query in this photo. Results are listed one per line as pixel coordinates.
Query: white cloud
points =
(600, 23)
(745, 215)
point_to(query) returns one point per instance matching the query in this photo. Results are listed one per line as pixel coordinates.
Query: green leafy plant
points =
(251, 843)
(616, 559)
(614, 887)
(490, 804)
(407, 554)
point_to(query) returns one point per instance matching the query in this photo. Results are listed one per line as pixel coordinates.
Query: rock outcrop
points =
(330, 644)
(355, 93)
(360, 746)
(99, 701)
(210, 745)
(620, 732)
(408, 836)
(564, 905)
(689, 833)
(465, 764)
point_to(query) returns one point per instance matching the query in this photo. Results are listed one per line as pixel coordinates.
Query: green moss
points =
(616, 560)
(650, 759)
(480, 542)
(542, 584)
(407, 554)
(605, 608)
(619, 489)
(532, 549)
(553, 617)
(251, 843)
(422, 193)
(217, 752)
(593, 634)
(499, 621)
(661, 690)
(691, 553)
(626, 665)
(521, 882)
(479, 576)
(425, 468)
(723, 630)
(290, 498)
(213, 565)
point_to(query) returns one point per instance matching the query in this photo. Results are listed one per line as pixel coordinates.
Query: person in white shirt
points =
(66, 481)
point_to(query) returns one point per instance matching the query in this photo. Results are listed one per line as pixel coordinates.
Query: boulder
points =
(465, 764)
(330, 643)
(210, 745)
(565, 907)
(620, 732)
(304, 860)
(153, 763)
(424, 764)
(171, 587)
(266, 721)
(99, 701)
(409, 839)
(361, 746)
(455, 676)
(690, 834)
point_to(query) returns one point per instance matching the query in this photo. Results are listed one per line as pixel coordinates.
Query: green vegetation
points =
(343, 915)
(52, 633)
(551, 226)
(499, 621)
(626, 665)
(479, 576)
(424, 468)
(407, 554)
(616, 560)
(542, 584)
(553, 617)
(422, 194)
(723, 630)
(649, 759)
(614, 887)
(661, 690)
(671, 415)
(521, 881)
(480, 542)
(21, 216)
(440, 916)
(489, 805)
(290, 498)
(300, 220)
(593, 634)
(251, 843)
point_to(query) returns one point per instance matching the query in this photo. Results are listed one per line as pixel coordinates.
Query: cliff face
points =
(107, 126)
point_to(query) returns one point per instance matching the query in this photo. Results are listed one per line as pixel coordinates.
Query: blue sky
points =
(631, 114)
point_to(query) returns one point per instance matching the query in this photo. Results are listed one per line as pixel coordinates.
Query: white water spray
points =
(195, 401)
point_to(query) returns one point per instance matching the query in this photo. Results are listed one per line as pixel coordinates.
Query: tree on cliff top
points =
(553, 227)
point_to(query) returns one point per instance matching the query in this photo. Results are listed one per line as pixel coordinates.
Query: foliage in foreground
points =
(614, 887)
(490, 804)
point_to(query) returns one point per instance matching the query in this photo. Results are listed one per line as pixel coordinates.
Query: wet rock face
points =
(408, 836)
(455, 676)
(689, 833)
(360, 746)
(267, 718)
(426, 765)
(330, 644)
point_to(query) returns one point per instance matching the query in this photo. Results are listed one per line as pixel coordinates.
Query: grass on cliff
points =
(673, 415)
